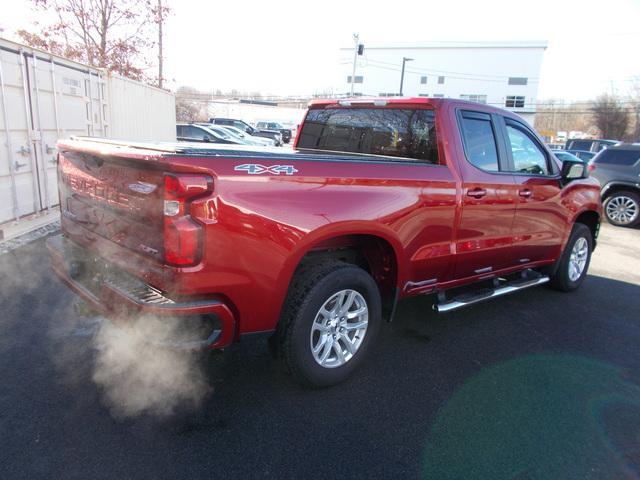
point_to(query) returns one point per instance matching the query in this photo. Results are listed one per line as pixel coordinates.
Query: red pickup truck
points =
(380, 199)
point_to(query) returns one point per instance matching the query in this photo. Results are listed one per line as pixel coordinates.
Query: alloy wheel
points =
(339, 328)
(622, 209)
(578, 258)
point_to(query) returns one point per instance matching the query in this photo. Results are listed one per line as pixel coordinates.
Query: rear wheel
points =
(330, 321)
(574, 263)
(623, 208)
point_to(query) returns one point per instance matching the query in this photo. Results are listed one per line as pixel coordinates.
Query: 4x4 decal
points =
(257, 169)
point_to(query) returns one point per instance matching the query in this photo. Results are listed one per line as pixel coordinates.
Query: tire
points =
(303, 326)
(566, 277)
(622, 208)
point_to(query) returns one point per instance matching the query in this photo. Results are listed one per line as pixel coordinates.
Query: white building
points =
(504, 74)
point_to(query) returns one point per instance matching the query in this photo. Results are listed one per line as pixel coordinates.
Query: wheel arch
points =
(374, 248)
(613, 187)
(591, 219)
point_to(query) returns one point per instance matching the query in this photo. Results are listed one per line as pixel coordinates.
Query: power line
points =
(411, 70)
(450, 74)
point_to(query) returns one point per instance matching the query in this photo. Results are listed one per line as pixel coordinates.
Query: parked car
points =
(245, 127)
(194, 132)
(248, 139)
(372, 205)
(556, 146)
(286, 132)
(582, 154)
(563, 155)
(617, 169)
(590, 145)
(241, 140)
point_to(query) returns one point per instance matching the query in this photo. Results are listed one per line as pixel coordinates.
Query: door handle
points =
(477, 192)
(526, 193)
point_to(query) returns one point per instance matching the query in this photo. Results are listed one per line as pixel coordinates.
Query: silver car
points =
(246, 138)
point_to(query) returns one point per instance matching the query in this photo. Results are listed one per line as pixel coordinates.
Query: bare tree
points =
(556, 115)
(189, 108)
(634, 97)
(610, 116)
(110, 34)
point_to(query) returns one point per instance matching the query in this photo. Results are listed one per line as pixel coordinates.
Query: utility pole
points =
(160, 21)
(404, 60)
(356, 47)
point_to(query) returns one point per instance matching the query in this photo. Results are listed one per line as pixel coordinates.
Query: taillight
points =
(182, 235)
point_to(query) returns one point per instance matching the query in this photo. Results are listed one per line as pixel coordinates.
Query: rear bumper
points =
(117, 294)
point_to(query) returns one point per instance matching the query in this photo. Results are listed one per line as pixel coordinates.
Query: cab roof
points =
(378, 101)
(436, 103)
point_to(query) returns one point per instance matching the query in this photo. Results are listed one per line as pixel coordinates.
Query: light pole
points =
(404, 60)
(356, 37)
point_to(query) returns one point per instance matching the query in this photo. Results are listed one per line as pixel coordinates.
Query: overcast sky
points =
(291, 47)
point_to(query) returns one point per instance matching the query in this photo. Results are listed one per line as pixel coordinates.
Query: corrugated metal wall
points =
(139, 112)
(43, 98)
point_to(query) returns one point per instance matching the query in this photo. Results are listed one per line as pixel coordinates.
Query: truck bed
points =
(102, 146)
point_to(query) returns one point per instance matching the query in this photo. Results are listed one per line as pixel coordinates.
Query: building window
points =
(518, 80)
(440, 80)
(514, 101)
(388, 94)
(423, 94)
(358, 79)
(423, 80)
(438, 95)
(474, 98)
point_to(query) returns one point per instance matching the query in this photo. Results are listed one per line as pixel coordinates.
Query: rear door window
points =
(392, 132)
(479, 140)
(618, 157)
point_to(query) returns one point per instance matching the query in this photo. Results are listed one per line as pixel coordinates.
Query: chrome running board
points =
(486, 294)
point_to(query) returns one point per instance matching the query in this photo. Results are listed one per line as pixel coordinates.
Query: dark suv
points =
(286, 132)
(245, 127)
(589, 145)
(617, 169)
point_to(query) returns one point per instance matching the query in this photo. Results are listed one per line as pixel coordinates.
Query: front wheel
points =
(574, 263)
(330, 321)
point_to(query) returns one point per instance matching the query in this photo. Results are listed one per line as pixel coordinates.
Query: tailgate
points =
(118, 199)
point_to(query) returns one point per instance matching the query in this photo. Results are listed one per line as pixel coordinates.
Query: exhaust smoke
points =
(137, 376)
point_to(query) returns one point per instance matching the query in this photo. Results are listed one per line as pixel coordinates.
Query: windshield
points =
(221, 132)
(235, 131)
(566, 156)
(215, 132)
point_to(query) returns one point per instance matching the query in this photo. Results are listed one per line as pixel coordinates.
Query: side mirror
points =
(206, 138)
(573, 170)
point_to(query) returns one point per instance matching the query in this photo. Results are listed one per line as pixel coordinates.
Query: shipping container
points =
(43, 98)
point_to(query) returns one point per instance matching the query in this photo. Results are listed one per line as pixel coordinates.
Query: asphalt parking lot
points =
(539, 384)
